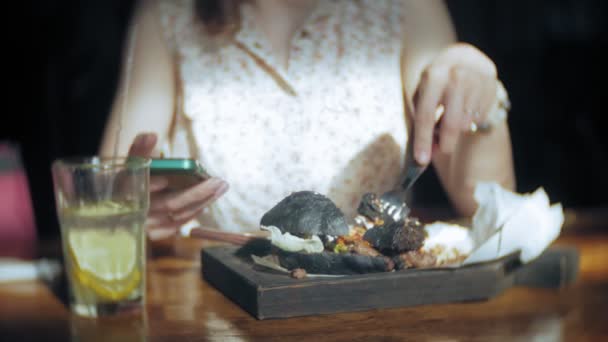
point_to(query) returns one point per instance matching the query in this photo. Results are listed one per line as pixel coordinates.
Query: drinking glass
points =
(102, 204)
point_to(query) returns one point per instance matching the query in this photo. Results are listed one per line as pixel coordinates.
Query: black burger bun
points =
(306, 213)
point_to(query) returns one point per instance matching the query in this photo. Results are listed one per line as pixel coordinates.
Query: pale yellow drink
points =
(102, 206)
(104, 255)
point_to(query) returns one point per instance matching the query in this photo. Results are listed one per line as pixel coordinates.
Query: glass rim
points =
(98, 162)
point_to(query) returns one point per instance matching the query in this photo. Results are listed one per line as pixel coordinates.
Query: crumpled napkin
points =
(506, 222)
(13, 270)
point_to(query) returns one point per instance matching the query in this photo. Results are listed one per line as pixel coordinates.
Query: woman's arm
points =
(149, 92)
(145, 96)
(438, 70)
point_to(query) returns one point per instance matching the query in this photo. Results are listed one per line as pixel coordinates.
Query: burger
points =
(308, 232)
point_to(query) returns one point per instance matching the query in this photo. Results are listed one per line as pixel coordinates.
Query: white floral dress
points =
(332, 122)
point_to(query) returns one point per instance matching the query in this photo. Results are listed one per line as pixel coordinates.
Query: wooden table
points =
(181, 306)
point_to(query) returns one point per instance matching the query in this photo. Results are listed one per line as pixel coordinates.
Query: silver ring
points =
(483, 127)
(475, 125)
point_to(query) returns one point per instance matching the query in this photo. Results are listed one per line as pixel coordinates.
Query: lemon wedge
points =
(105, 261)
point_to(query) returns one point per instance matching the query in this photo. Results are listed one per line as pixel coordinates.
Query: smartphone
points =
(181, 173)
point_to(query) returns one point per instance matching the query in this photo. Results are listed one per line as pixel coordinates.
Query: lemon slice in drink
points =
(105, 261)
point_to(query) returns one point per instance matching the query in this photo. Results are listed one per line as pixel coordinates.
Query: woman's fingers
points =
(167, 220)
(158, 183)
(471, 107)
(479, 97)
(169, 211)
(143, 145)
(190, 211)
(487, 96)
(451, 122)
(200, 193)
(427, 99)
(175, 202)
(160, 233)
(462, 80)
(466, 96)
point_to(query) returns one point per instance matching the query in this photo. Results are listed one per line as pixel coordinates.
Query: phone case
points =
(181, 173)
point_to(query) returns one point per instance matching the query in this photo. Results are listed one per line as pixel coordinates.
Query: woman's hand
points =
(170, 210)
(463, 80)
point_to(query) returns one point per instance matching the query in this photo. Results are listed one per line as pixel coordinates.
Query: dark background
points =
(551, 56)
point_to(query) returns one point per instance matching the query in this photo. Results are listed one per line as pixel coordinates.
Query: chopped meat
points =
(298, 273)
(395, 238)
(371, 207)
(415, 259)
(363, 248)
(447, 257)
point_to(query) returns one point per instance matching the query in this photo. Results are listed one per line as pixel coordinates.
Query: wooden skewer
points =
(217, 235)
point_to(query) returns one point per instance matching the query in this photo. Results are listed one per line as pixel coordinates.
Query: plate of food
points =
(314, 260)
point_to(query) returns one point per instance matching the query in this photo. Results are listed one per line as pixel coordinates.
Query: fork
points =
(393, 202)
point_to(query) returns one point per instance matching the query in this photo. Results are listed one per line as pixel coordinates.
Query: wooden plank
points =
(269, 294)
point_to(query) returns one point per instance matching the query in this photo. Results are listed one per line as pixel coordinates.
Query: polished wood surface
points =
(181, 306)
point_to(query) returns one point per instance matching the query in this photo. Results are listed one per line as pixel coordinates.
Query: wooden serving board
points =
(268, 294)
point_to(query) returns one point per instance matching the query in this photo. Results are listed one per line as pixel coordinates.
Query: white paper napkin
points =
(12, 270)
(506, 222)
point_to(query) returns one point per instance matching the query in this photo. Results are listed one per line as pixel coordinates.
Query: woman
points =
(275, 96)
